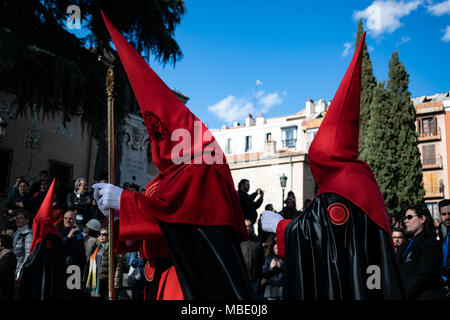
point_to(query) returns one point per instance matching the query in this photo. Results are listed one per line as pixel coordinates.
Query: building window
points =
(248, 143)
(289, 136)
(429, 154)
(430, 184)
(434, 209)
(5, 168)
(228, 146)
(268, 136)
(311, 134)
(427, 127)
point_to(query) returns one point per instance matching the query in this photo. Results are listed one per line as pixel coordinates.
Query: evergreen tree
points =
(51, 70)
(408, 166)
(368, 83)
(380, 141)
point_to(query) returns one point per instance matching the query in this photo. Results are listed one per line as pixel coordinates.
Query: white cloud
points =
(440, 8)
(347, 47)
(403, 40)
(231, 109)
(259, 94)
(370, 48)
(384, 16)
(234, 109)
(268, 101)
(446, 36)
(258, 82)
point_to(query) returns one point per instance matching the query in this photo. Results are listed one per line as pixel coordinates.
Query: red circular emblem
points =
(338, 213)
(149, 270)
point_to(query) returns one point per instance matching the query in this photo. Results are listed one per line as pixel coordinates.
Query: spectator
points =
(137, 288)
(291, 195)
(22, 239)
(36, 200)
(398, 237)
(126, 186)
(8, 262)
(272, 271)
(289, 211)
(20, 201)
(133, 188)
(81, 201)
(248, 203)
(420, 258)
(444, 211)
(96, 275)
(91, 232)
(253, 256)
(43, 176)
(15, 188)
(73, 240)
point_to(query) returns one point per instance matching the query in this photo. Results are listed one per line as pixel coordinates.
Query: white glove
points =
(107, 197)
(270, 220)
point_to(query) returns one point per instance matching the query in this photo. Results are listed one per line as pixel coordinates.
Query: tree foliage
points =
(52, 70)
(368, 83)
(391, 140)
(409, 167)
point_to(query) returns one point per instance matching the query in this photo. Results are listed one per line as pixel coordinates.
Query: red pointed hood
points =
(164, 114)
(186, 175)
(333, 154)
(43, 222)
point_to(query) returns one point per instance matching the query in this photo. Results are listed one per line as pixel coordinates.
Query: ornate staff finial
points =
(110, 82)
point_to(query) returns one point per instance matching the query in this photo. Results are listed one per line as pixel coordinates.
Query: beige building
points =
(263, 149)
(433, 134)
(33, 143)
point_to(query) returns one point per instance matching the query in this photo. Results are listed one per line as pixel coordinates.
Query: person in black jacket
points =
(419, 259)
(8, 262)
(248, 203)
(272, 271)
(81, 201)
(75, 252)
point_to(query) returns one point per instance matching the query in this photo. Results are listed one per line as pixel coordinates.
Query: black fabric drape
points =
(208, 261)
(325, 261)
(43, 275)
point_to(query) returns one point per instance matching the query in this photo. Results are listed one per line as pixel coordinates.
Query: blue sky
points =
(280, 53)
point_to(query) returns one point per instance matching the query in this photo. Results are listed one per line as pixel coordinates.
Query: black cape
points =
(325, 261)
(43, 276)
(208, 261)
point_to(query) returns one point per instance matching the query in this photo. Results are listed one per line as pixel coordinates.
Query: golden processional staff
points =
(108, 59)
(109, 90)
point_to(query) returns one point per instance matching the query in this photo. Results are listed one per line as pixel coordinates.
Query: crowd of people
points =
(81, 226)
(420, 243)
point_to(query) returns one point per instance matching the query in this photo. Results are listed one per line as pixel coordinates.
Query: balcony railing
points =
(434, 134)
(432, 163)
(289, 143)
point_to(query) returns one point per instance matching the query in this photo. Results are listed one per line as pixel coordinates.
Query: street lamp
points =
(3, 125)
(283, 180)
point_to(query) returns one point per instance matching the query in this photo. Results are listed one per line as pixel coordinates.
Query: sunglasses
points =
(410, 216)
(104, 234)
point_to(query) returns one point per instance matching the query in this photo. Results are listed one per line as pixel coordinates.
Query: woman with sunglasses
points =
(419, 258)
(98, 266)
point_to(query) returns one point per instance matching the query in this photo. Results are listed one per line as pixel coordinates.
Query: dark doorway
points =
(63, 173)
(5, 169)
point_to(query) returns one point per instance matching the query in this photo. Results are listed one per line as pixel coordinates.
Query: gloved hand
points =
(107, 197)
(269, 221)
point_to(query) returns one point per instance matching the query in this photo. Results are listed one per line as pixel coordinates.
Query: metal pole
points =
(282, 200)
(109, 90)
